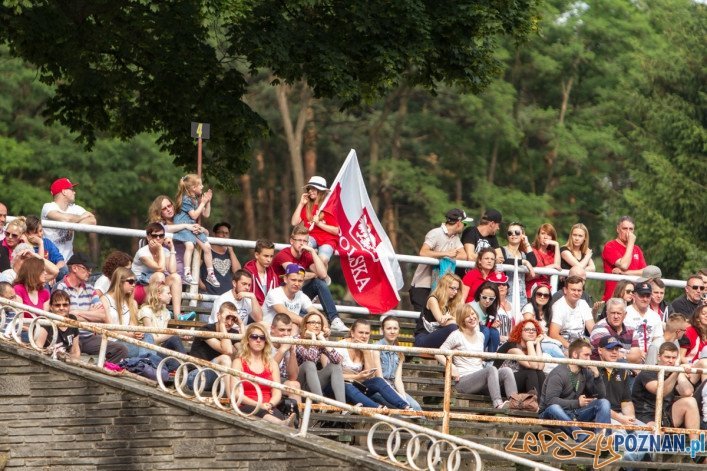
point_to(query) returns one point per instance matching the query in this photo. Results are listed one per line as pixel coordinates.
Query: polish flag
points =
(367, 257)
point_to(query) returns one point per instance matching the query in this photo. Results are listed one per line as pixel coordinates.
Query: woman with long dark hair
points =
(486, 302)
(537, 309)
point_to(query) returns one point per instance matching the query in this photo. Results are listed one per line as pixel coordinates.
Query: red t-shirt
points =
(318, 234)
(696, 344)
(473, 279)
(613, 251)
(285, 255)
(248, 388)
(543, 258)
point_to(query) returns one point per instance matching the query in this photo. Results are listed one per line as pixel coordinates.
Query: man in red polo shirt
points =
(622, 256)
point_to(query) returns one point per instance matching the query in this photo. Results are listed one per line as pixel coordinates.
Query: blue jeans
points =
(599, 411)
(380, 386)
(492, 338)
(316, 287)
(135, 351)
(552, 349)
(355, 396)
(408, 398)
(434, 339)
(209, 377)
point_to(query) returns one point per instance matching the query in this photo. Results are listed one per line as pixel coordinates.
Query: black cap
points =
(456, 214)
(80, 259)
(643, 288)
(493, 216)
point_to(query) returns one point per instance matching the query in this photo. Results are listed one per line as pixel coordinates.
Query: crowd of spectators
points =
(271, 296)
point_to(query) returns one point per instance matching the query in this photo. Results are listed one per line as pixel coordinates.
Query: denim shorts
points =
(324, 250)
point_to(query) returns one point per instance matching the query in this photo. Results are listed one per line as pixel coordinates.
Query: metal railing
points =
(449, 355)
(249, 244)
(434, 456)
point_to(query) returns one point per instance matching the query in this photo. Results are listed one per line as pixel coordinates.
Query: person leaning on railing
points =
(469, 372)
(67, 337)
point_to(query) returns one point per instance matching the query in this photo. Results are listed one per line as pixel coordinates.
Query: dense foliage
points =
(601, 112)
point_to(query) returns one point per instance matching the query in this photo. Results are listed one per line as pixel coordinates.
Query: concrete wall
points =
(58, 416)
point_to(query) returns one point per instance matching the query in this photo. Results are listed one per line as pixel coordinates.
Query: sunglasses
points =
(61, 305)
(257, 338)
(629, 291)
(542, 295)
(488, 298)
(697, 288)
(514, 233)
(130, 281)
(158, 236)
(11, 235)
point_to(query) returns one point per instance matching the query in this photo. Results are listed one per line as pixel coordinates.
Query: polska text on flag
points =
(367, 257)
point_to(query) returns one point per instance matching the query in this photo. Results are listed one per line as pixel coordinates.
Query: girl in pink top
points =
(29, 284)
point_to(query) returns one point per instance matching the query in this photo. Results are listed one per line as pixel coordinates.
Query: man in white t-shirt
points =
(571, 314)
(63, 209)
(289, 298)
(241, 296)
(641, 318)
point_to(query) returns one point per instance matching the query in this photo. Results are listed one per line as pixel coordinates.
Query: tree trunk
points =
(285, 205)
(551, 157)
(310, 145)
(389, 218)
(248, 207)
(494, 161)
(374, 149)
(294, 134)
(134, 223)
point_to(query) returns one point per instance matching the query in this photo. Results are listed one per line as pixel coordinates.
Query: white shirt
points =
(244, 307)
(648, 327)
(102, 284)
(139, 267)
(62, 238)
(458, 341)
(8, 275)
(571, 320)
(299, 303)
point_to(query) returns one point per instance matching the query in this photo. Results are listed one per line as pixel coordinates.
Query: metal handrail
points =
(249, 244)
(448, 354)
(106, 333)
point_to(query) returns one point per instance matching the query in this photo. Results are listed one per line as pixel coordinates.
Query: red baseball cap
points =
(61, 184)
(498, 277)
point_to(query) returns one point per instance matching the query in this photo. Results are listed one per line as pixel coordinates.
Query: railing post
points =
(305, 418)
(447, 401)
(659, 402)
(102, 351)
(195, 273)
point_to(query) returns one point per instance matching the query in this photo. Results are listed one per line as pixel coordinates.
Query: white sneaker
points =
(211, 279)
(327, 280)
(338, 325)
(188, 279)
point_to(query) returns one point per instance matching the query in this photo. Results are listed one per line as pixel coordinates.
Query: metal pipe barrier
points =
(448, 354)
(249, 244)
(228, 378)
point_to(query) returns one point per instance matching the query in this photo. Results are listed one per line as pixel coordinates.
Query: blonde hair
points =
(462, 312)
(246, 353)
(186, 183)
(120, 296)
(153, 296)
(585, 245)
(154, 212)
(441, 293)
(19, 223)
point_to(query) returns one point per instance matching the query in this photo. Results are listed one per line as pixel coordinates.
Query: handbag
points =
(524, 401)
(360, 386)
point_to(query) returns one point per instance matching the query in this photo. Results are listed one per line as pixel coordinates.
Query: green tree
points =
(125, 68)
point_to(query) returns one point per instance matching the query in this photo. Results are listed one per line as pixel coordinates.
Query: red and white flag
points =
(367, 257)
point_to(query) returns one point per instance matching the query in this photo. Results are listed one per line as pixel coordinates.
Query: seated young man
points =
(289, 299)
(573, 392)
(219, 351)
(67, 337)
(242, 296)
(285, 354)
(679, 407)
(264, 275)
(300, 253)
